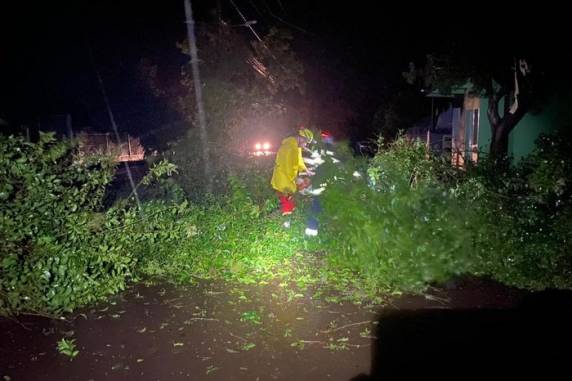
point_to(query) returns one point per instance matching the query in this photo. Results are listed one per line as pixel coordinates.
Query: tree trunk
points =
(501, 127)
(517, 102)
(499, 141)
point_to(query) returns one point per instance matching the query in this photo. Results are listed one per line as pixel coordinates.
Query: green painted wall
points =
(523, 137)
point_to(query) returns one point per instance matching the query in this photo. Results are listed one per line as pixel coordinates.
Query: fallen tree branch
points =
(346, 326)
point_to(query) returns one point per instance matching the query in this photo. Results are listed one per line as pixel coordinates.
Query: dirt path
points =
(213, 332)
(166, 333)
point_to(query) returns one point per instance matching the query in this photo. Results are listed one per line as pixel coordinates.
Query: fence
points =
(129, 149)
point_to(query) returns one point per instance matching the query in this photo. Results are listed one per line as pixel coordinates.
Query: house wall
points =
(523, 136)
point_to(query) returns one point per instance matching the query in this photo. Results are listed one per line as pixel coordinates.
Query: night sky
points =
(353, 52)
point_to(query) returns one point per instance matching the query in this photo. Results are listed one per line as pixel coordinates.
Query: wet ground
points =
(218, 332)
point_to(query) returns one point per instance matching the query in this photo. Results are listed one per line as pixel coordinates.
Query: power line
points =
(282, 20)
(249, 25)
(246, 22)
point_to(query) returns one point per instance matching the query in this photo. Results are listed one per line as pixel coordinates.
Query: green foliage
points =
(59, 255)
(252, 317)
(158, 183)
(255, 173)
(161, 169)
(59, 250)
(51, 254)
(285, 71)
(418, 221)
(244, 92)
(408, 221)
(526, 212)
(401, 231)
(68, 348)
(248, 346)
(402, 166)
(230, 237)
(443, 72)
(548, 171)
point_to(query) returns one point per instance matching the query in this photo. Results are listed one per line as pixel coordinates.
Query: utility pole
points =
(198, 94)
(69, 126)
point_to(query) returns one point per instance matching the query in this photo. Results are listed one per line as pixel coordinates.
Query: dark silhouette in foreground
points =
(531, 340)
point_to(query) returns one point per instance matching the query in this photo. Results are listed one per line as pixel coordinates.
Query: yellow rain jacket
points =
(288, 164)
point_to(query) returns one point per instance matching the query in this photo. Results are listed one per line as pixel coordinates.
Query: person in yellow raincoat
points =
(289, 163)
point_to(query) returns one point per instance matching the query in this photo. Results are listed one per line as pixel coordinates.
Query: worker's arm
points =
(301, 165)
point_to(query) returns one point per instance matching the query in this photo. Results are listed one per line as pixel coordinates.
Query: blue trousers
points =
(315, 209)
